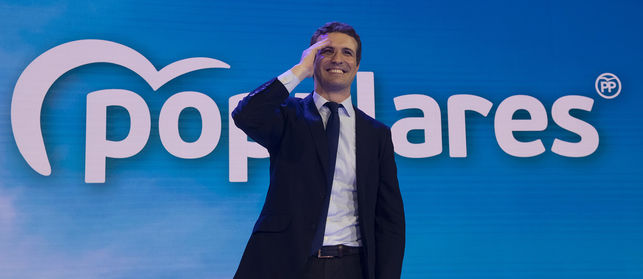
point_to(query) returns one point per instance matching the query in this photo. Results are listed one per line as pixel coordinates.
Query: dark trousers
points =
(346, 267)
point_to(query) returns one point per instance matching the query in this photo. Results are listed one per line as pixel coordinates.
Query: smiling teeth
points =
(336, 71)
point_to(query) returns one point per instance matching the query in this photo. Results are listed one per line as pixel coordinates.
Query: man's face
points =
(336, 63)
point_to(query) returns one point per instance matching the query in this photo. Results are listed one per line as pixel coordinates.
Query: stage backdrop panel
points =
(540, 177)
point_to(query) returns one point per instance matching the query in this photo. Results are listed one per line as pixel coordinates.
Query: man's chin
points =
(336, 86)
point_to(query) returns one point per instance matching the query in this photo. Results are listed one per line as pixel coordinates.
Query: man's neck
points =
(334, 96)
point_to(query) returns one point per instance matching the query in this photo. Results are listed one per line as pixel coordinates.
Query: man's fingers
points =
(305, 67)
(321, 43)
(316, 46)
(311, 52)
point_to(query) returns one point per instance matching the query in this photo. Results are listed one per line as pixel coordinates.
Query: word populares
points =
(35, 81)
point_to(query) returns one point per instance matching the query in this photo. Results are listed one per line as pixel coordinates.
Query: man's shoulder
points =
(297, 101)
(275, 86)
(371, 123)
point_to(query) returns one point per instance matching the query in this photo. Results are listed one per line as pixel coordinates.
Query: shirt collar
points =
(347, 104)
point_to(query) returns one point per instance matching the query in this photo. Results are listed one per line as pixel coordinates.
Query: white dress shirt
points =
(342, 223)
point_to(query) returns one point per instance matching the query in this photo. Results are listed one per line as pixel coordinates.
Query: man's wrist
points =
(289, 79)
(300, 72)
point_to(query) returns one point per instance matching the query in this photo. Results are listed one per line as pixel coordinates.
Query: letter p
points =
(609, 85)
(98, 148)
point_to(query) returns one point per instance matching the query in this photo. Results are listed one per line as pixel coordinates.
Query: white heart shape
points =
(34, 82)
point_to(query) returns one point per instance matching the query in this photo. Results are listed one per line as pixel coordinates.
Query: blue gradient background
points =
(489, 215)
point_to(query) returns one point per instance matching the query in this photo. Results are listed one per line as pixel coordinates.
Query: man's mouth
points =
(336, 71)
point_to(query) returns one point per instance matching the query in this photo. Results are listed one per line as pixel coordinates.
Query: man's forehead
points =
(340, 39)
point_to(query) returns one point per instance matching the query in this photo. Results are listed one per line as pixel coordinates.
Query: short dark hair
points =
(340, 27)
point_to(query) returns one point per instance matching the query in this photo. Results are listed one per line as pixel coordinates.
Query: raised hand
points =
(305, 68)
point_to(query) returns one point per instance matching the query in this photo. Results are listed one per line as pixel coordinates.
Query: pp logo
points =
(608, 85)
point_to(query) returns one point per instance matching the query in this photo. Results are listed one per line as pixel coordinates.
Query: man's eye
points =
(348, 52)
(326, 51)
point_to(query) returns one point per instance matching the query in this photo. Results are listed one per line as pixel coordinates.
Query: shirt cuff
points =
(289, 80)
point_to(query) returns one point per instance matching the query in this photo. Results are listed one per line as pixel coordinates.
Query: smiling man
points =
(333, 208)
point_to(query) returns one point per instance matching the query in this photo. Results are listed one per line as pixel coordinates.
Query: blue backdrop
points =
(488, 215)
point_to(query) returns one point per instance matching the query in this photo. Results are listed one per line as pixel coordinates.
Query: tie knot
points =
(332, 106)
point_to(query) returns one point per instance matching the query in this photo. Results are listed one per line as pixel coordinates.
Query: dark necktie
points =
(332, 136)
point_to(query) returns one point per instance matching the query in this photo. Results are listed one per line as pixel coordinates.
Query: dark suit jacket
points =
(292, 131)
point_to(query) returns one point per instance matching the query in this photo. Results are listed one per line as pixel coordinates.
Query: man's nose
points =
(336, 58)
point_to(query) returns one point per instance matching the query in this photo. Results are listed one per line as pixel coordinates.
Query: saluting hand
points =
(305, 68)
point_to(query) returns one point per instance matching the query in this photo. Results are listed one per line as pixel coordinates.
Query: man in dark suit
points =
(333, 208)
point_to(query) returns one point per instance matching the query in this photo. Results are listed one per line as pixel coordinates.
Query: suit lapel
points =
(361, 159)
(314, 121)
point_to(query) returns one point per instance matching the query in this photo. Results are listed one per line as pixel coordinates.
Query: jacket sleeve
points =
(389, 216)
(260, 114)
